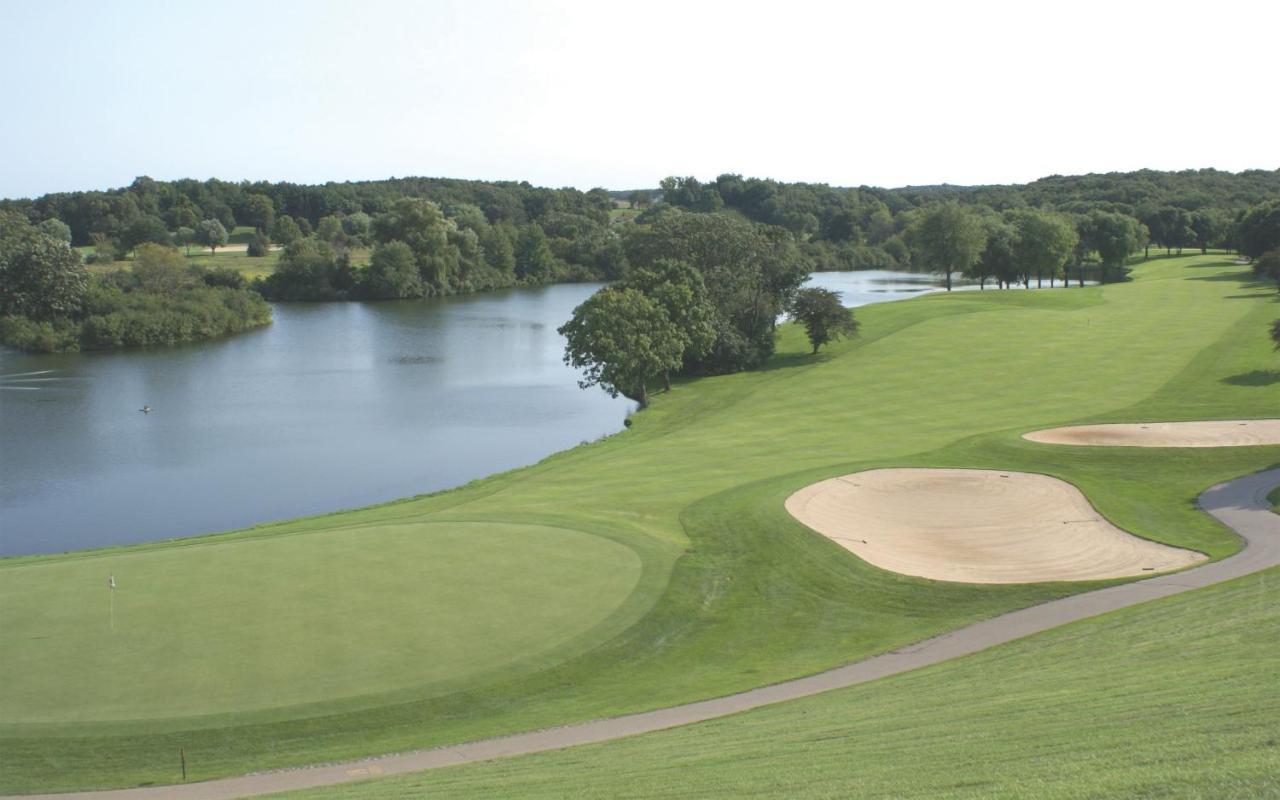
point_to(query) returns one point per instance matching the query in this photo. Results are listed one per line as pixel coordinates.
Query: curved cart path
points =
(1240, 504)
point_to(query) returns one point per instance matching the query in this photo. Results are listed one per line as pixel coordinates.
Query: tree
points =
(1259, 229)
(1113, 236)
(1170, 227)
(621, 340)
(144, 229)
(184, 237)
(211, 234)
(41, 277)
(1267, 266)
(997, 259)
(330, 230)
(751, 273)
(947, 238)
(392, 273)
(534, 260)
(691, 194)
(1210, 227)
(497, 241)
(285, 231)
(357, 225)
(1044, 242)
(259, 212)
(182, 214)
(259, 245)
(422, 226)
(823, 317)
(678, 289)
(309, 269)
(56, 228)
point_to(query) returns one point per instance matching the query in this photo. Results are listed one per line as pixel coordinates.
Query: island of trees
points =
(749, 241)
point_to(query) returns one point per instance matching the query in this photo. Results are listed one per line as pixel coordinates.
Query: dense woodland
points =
(751, 242)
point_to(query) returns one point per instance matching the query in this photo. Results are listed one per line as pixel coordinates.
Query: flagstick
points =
(113, 610)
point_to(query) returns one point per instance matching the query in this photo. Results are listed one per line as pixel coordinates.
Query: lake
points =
(333, 406)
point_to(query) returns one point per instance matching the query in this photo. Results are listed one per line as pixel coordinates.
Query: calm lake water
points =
(332, 406)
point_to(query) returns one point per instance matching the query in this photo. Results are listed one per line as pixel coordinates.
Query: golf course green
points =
(655, 567)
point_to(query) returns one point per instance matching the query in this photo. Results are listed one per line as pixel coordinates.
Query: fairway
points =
(260, 624)
(656, 567)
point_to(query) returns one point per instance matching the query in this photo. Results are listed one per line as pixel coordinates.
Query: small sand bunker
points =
(1223, 433)
(977, 526)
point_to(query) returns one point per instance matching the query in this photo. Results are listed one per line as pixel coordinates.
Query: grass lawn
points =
(723, 591)
(1169, 699)
(237, 259)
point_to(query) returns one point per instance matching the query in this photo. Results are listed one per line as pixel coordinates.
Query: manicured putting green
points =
(359, 611)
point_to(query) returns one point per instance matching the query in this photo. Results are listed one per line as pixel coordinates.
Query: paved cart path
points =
(1240, 504)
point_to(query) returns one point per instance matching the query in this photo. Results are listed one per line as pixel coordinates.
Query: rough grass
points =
(733, 593)
(1169, 699)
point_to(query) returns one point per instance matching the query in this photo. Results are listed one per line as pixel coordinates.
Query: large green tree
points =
(56, 228)
(392, 273)
(822, 315)
(1211, 227)
(678, 289)
(259, 212)
(41, 277)
(1259, 229)
(144, 229)
(1113, 236)
(947, 238)
(1044, 242)
(422, 226)
(751, 273)
(285, 231)
(534, 260)
(212, 234)
(1267, 266)
(997, 259)
(621, 340)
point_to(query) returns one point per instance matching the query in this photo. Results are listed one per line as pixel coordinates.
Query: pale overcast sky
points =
(621, 94)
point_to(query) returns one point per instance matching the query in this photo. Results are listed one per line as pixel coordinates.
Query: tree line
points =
(50, 303)
(752, 240)
(869, 227)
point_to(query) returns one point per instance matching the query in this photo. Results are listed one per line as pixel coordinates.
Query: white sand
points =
(1222, 433)
(977, 526)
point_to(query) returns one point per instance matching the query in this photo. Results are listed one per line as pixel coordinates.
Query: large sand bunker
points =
(977, 526)
(1223, 433)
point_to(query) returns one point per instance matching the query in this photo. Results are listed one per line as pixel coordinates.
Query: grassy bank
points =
(1168, 699)
(728, 592)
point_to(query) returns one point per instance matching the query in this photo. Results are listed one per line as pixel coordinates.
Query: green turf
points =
(732, 593)
(1274, 497)
(299, 628)
(1169, 699)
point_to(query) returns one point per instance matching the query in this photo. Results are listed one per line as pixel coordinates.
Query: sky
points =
(568, 93)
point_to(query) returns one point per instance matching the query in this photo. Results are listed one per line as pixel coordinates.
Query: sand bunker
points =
(977, 526)
(1224, 433)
